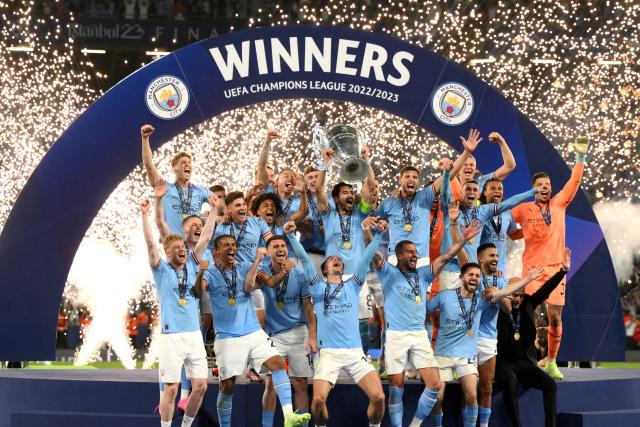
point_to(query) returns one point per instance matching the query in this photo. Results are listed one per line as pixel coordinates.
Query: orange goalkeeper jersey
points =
(544, 244)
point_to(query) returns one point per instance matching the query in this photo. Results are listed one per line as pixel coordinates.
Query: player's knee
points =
(486, 389)
(170, 391)
(199, 387)
(298, 383)
(471, 397)
(555, 321)
(318, 402)
(377, 398)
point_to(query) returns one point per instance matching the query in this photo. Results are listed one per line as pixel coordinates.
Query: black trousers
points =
(510, 373)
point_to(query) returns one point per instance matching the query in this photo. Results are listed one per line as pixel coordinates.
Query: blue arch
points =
(97, 152)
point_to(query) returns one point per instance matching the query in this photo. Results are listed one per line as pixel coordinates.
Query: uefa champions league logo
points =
(167, 97)
(452, 104)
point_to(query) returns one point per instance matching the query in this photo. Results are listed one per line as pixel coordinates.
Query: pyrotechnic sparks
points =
(572, 67)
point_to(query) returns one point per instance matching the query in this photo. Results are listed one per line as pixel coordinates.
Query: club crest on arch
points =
(452, 104)
(167, 97)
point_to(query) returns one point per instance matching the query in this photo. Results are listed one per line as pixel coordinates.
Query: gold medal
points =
(347, 245)
(470, 332)
(280, 305)
(184, 216)
(408, 227)
(182, 302)
(472, 241)
(418, 299)
(516, 336)
(322, 228)
(232, 301)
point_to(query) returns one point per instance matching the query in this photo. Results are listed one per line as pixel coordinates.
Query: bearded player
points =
(543, 230)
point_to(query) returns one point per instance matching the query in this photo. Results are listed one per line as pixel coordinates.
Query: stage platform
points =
(123, 398)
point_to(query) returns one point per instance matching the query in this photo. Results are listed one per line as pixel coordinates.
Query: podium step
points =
(619, 418)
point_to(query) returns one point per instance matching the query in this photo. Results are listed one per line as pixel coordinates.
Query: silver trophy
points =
(346, 141)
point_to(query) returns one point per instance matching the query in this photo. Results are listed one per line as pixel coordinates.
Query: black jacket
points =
(524, 349)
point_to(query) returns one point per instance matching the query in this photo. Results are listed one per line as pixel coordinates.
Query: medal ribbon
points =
(186, 204)
(231, 284)
(281, 288)
(314, 209)
(484, 281)
(407, 209)
(182, 281)
(285, 210)
(515, 323)
(345, 227)
(546, 213)
(496, 225)
(415, 283)
(241, 230)
(329, 298)
(474, 215)
(463, 309)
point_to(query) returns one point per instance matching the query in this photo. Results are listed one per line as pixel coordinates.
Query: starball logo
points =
(339, 56)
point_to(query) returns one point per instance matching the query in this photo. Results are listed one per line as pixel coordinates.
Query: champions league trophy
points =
(346, 141)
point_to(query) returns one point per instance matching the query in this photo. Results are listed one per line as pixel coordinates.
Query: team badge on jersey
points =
(167, 97)
(452, 104)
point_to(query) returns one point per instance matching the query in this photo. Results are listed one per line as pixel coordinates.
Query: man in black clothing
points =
(516, 360)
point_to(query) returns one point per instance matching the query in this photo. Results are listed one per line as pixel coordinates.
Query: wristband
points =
(580, 158)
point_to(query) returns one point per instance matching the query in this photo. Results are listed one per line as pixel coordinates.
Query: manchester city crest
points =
(167, 97)
(452, 104)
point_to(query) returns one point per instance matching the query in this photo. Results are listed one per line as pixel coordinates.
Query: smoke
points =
(620, 222)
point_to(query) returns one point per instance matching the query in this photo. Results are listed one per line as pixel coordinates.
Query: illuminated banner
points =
(220, 74)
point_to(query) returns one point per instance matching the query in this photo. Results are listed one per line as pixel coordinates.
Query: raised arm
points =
(568, 192)
(370, 185)
(201, 284)
(510, 203)
(470, 144)
(205, 235)
(321, 194)
(494, 294)
(309, 270)
(262, 175)
(159, 191)
(468, 233)
(250, 284)
(508, 161)
(152, 248)
(363, 264)
(147, 157)
(303, 210)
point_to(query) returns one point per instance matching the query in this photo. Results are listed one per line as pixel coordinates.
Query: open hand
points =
(472, 230)
(471, 143)
(454, 210)
(581, 145)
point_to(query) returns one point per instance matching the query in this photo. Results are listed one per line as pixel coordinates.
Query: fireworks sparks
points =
(571, 67)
